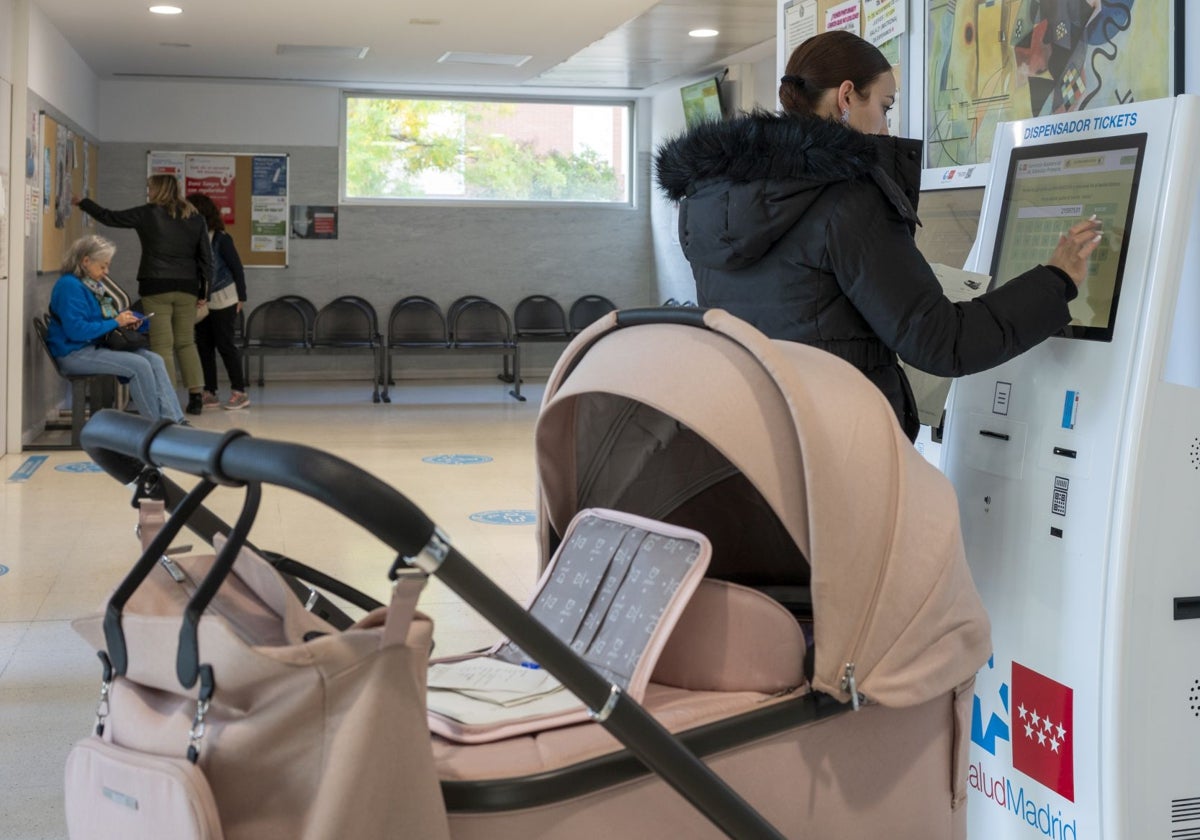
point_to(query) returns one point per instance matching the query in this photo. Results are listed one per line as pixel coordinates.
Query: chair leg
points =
(375, 375)
(79, 403)
(516, 391)
(385, 365)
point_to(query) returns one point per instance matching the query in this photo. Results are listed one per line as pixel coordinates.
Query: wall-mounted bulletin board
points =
(882, 22)
(251, 191)
(69, 168)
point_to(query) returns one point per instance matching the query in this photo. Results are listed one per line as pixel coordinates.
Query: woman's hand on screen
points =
(1075, 247)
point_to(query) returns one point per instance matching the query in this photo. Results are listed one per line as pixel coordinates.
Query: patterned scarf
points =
(108, 306)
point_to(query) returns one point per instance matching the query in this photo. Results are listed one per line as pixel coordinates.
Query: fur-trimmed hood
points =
(762, 146)
(743, 184)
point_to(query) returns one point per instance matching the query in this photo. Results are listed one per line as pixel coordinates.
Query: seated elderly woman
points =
(82, 313)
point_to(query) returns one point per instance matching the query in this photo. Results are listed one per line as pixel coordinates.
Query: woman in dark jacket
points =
(226, 294)
(173, 273)
(802, 224)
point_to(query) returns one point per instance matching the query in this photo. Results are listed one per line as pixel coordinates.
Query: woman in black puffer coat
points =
(802, 224)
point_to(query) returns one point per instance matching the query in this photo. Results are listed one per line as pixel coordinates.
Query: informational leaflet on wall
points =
(268, 203)
(843, 16)
(215, 176)
(885, 20)
(313, 221)
(87, 178)
(799, 23)
(166, 163)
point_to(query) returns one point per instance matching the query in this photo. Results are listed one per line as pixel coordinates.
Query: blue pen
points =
(533, 666)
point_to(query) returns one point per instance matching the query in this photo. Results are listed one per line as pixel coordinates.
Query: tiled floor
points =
(66, 538)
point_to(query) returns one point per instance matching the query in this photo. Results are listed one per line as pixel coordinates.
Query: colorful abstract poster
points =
(992, 61)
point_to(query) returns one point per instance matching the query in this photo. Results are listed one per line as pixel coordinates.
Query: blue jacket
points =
(227, 265)
(75, 317)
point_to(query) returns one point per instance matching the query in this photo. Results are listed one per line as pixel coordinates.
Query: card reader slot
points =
(1186, 608)
(1066, 453)
(996, 435)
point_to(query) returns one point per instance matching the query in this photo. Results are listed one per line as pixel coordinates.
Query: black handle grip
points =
(121, 443)
(688, 316)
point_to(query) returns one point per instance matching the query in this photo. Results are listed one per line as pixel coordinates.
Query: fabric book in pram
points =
(613, 592)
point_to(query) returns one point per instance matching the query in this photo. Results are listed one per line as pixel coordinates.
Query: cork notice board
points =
(68, 168)
(251, 190)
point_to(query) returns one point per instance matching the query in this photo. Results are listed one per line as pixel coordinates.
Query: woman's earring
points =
(845, 116)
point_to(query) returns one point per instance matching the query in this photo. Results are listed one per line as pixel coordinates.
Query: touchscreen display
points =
(1049, 189)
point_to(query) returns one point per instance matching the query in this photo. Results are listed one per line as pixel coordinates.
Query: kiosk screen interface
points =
(1049, 189)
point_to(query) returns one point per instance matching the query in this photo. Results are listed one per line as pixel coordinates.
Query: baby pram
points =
(780, 454)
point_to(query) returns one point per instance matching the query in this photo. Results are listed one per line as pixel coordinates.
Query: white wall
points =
(223, 113)
(59, 76)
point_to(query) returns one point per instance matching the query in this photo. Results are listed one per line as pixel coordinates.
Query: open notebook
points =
(613, 592)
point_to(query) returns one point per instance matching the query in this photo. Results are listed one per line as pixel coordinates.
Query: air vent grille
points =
(1185, 818)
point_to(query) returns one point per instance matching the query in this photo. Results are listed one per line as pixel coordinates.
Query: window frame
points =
(630, 203)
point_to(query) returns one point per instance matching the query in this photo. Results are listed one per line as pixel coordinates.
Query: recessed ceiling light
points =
(321, 51)
(166, 10)
(453, 57)
(704, 33)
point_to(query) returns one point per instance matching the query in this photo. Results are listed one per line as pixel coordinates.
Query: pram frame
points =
(124, 445)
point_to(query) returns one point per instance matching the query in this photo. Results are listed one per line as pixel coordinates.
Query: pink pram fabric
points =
(879, 526)
(792, 463)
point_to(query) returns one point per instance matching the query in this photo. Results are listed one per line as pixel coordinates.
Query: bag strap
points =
(405, 592)
(187, 660)
(152, 516)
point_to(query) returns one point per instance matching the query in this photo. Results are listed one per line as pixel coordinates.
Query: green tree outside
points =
(391, 143)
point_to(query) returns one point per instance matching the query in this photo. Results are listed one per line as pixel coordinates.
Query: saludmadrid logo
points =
(1041, 742)
(1021, 805)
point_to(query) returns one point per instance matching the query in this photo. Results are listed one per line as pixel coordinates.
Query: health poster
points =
(215, 176)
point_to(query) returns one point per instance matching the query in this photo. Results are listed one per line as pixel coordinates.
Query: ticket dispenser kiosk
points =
(1077, 467)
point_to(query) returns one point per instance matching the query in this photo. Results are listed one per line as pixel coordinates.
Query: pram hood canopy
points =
(647, 416)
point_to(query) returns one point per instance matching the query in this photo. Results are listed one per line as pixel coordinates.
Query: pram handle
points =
(121, 444)
(688, 316)
(116, 441)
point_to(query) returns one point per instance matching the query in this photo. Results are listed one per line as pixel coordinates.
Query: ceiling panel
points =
(615, 44)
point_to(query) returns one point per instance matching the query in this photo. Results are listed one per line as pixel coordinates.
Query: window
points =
(488, 150)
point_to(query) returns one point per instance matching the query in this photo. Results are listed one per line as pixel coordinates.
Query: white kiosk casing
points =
(1077, 467)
